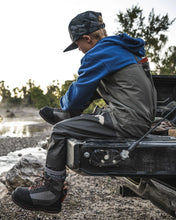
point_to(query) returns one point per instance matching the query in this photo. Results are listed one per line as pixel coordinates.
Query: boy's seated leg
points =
(49, 194)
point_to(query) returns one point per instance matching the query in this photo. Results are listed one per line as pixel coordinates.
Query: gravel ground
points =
(8, 145)
(88, 197)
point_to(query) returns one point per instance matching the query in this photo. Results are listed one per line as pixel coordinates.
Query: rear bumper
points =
(151, 158)
(150, 171)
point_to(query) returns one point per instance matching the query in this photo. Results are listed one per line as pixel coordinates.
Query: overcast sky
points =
(34, 33)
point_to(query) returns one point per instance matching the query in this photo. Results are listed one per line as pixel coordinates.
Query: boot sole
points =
(37, 208)
(45, 118)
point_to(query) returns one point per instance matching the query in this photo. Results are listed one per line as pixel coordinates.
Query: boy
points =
(110, 69)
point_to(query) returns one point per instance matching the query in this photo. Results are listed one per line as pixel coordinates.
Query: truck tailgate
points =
(155, 156)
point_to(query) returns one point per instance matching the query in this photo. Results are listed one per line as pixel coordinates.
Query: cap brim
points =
(71, 47)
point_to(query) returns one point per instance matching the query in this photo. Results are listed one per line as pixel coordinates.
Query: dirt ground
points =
(88, 197)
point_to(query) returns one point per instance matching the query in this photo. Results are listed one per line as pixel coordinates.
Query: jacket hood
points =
(134, 45)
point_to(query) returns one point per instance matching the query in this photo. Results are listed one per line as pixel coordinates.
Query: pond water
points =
(18, 128)
(24, 123)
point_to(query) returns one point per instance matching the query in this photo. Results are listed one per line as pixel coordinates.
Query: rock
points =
(3, 190)
(3, 177)
(10, 114)
(1, 118)
(24, 172)
(43, 144)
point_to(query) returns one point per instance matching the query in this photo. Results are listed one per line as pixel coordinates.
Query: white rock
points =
(3, 190)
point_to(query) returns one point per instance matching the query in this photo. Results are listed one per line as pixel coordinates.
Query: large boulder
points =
(24, 172)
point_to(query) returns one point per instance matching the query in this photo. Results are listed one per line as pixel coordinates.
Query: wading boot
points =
(53, 115)
(45, 195)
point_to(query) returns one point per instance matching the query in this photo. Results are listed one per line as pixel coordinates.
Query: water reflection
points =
(19, 128)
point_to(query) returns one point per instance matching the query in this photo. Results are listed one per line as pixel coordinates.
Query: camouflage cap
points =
(84, 23)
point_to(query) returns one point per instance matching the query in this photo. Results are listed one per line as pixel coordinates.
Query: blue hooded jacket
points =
(107, 56)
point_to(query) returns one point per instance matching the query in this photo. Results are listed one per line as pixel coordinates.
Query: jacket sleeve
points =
(81, 92)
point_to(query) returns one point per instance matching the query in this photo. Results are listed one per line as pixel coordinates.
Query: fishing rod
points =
(125, 153)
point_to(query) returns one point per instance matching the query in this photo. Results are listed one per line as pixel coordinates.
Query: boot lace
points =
(40, 182)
